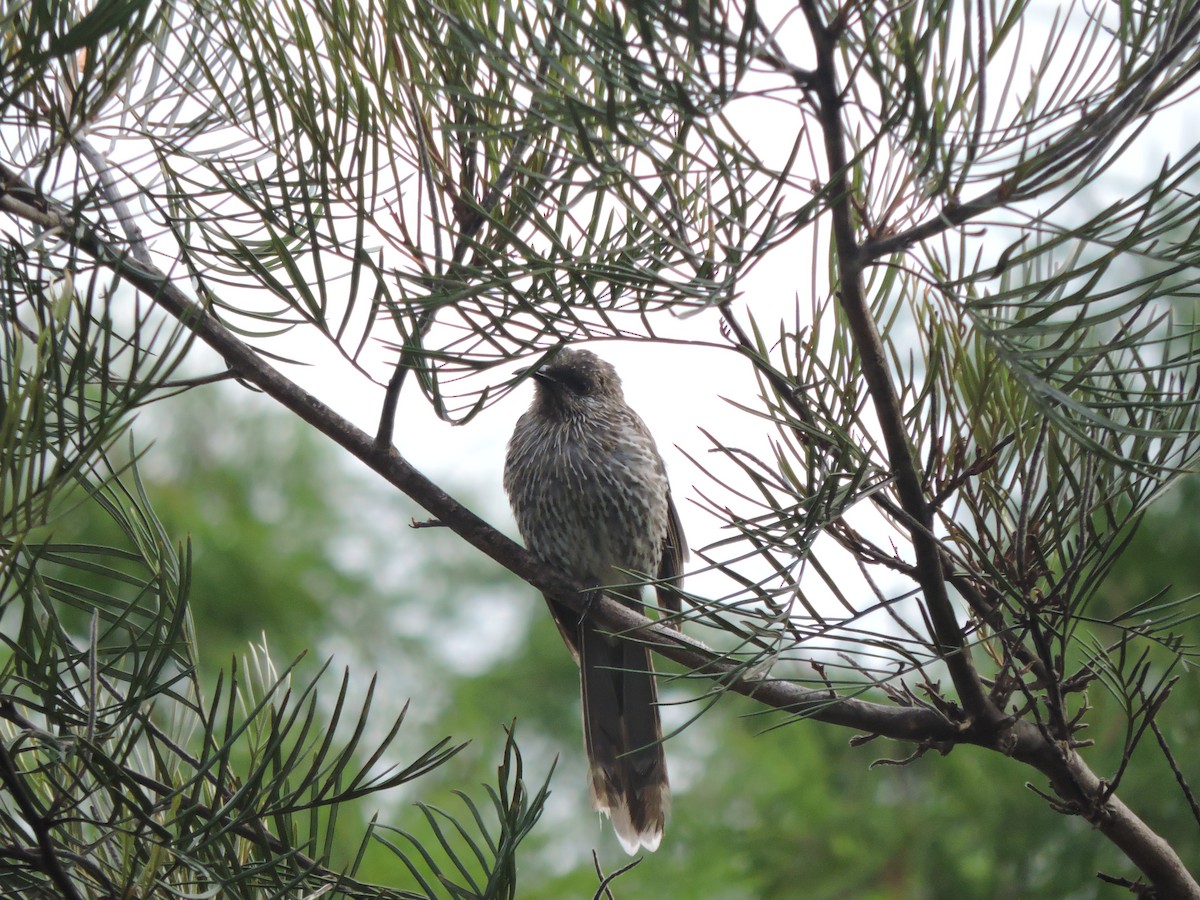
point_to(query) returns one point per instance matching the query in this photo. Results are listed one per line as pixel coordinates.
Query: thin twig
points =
(1183, 785)
(112, 195)
(1067, 156)
(603, 889)
(468, 230)
(41, 826)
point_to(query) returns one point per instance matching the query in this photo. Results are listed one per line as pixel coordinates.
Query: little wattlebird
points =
(590, 495)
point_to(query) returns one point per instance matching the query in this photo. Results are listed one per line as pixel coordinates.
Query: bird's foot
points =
(592, 594)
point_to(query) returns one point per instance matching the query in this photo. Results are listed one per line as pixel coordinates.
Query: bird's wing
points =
(670, 570)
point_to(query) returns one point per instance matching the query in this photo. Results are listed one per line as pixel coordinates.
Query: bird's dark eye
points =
(575, 383)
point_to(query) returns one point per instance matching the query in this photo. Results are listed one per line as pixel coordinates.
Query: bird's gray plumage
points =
(590, 495)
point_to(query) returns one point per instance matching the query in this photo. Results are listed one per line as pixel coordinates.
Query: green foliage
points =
(485, 867)
(120, 766)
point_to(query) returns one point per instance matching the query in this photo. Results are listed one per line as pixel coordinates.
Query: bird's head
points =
(575, 382)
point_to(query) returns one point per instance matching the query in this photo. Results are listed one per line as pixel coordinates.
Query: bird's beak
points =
(537, 372)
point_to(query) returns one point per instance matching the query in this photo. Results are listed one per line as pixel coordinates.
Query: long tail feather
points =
(623, 738)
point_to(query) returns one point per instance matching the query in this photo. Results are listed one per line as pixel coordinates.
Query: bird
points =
(589, 492)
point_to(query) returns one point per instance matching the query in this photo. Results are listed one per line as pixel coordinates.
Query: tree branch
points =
(1068, 156)
(1081, 790)
(947, 632)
